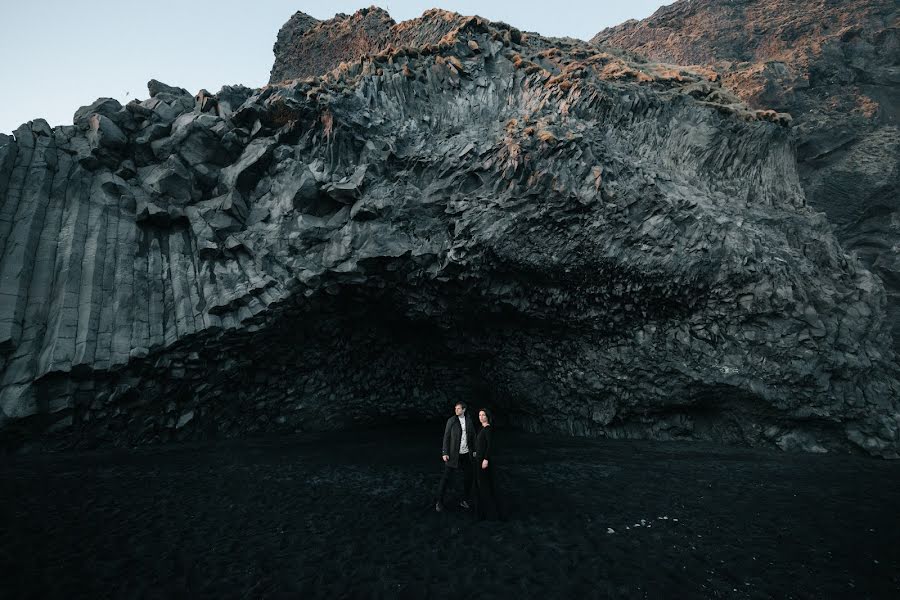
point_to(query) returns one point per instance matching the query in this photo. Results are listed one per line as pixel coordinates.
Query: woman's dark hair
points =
(488, 414)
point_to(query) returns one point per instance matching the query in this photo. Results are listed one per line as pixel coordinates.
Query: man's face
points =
(459, 410)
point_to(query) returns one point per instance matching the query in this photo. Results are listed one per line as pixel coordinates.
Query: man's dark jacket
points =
(452, 437)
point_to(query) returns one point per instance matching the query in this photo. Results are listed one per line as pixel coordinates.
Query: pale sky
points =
(58, 55)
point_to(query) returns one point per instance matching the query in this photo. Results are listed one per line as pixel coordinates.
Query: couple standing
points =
(465, 451)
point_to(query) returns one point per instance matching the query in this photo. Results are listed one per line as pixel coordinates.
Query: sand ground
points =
(351, 515)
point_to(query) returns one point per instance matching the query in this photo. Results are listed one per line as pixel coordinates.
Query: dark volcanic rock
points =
(306, 47)
(835, 67)
(591, 244)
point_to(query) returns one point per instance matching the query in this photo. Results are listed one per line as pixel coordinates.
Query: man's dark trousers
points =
(465, 465)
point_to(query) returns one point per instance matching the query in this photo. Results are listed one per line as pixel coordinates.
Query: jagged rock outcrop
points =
(589, 244)
(306, 47)
(835, 67)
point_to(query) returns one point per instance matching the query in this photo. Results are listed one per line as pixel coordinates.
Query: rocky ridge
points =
(592, 243)
(834, 66)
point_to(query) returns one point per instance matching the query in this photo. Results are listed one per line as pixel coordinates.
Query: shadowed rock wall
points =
(592, 245)
(835, 67)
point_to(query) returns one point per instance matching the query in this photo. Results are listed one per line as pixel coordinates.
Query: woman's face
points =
(482, 417)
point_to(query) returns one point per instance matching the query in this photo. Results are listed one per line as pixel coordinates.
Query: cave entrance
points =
(356, 360)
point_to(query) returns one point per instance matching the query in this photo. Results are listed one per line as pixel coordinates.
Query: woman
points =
(485, 495)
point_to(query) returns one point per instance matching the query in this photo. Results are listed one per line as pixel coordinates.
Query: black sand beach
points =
(350, 515)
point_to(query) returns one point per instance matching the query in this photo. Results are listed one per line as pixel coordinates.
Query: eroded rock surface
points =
(835, 67)
(591, 244)
(306, 47)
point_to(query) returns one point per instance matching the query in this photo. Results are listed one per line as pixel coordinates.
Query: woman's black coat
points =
(487, 505)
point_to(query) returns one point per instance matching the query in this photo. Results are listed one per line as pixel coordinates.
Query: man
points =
(459, 438)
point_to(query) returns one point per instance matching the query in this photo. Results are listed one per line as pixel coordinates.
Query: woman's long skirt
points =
(485, 493)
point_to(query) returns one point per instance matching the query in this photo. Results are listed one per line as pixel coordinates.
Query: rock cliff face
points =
(307, 47)
(589, 243)
(835, 67)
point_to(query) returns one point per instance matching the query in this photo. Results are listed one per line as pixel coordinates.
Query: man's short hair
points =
(461, 403)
